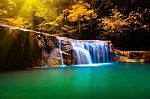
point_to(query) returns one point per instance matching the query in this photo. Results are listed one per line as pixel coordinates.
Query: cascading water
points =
(56, 55)
(83, 55)
(86, 52)
(58, 43)
(92, 51)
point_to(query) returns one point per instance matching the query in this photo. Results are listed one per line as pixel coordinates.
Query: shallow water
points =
(111, 81)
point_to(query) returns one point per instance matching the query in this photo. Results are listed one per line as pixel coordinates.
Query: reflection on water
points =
(104, 82)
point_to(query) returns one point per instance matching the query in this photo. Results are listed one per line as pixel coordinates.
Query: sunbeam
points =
(29, 6)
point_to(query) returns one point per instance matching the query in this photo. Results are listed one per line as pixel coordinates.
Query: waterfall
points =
(69, 51)
(83, 55)
(92, 51)
(58, 44)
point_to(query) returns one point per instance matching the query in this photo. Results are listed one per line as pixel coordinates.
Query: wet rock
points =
(132, 56)
(54, 58)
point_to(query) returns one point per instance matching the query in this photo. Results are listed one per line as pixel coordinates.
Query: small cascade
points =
(92, 51)
(83, 55)
(56, 55)
(58, 44)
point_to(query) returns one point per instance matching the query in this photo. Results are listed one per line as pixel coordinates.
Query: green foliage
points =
(45, 13)
(81, 20)
(114, 23)
(49, 27)
(76, 21)
(17, 22)
(118, 25)
(138, 20)
(5, 10)
(7, 16)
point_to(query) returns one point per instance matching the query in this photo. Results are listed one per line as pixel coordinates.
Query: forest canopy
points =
(115, 20)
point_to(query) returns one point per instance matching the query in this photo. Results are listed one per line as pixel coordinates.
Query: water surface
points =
(111, 81)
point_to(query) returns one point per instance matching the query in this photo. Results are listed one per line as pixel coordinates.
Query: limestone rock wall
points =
(54, 48)
(18, 48)
(132, 56)
(47, 49)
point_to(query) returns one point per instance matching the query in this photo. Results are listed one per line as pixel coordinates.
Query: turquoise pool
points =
(109, 81)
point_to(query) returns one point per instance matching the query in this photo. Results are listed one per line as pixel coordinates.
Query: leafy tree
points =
(6, 10)
(114, 24)
(127, 6)
(18, 22)
(138, 20)
(78, 21)
(119, 29)
(102, 7)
